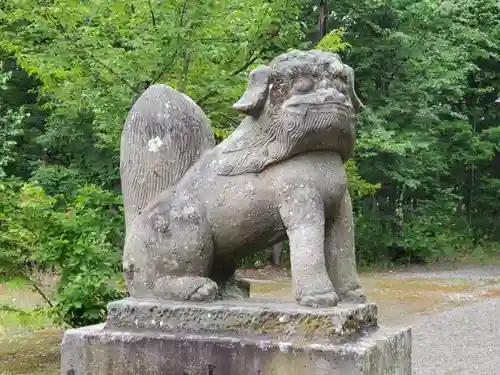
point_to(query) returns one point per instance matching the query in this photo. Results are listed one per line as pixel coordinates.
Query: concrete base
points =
(97, 351)
(251, 317)
(249, 337)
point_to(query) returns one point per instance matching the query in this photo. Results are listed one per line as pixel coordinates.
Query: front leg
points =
(340, 254)
(304, 218)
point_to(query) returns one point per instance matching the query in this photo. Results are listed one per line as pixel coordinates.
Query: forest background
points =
(426, 174)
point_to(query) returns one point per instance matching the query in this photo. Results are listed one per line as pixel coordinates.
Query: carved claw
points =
(207, 292)
(319, 299)
(354, 296)
(186, 288)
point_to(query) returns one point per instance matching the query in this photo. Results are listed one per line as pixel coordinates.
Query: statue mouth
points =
(330, 107)
(326, 107)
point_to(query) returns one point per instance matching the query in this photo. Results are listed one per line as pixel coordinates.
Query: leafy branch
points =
(153, 18)
(82, 51)
(163, 70)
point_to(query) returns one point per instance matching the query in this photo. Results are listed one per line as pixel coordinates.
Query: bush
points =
(80, 241)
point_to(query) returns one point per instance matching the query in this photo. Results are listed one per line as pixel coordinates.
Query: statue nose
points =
(333, 95)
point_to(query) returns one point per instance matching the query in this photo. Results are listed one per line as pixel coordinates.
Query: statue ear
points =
(254, 98)
(358, 106)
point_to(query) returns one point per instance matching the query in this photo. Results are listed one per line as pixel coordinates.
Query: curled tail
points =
(164, 134)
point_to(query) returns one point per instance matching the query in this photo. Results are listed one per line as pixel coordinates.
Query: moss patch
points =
(277, 289)
(36, 354)
(447, 285)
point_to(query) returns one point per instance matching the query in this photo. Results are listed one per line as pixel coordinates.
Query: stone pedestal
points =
(236, 338)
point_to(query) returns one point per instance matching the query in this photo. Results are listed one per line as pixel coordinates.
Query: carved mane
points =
(257, 145)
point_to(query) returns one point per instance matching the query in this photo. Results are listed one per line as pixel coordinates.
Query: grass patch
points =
(21, 310)
(29, 341)
(18, 323)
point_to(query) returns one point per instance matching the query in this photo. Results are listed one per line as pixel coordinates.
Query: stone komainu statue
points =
(193, 209)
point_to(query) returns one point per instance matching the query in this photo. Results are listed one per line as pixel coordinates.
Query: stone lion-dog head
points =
(302, 101)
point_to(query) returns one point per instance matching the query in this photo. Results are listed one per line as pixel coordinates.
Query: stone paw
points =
(319, 299)
(185, 288)
(354, 296)
(206, 292)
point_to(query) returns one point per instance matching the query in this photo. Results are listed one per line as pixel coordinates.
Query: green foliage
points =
(358, 187)
(83, 242)
(333, 41)
(80, 241)
(11, 121)
(87, 53)
(16, 240)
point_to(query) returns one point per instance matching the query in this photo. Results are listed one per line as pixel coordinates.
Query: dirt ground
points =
(29, 343)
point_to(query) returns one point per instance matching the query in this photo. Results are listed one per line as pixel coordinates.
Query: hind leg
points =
(183, 273)
(170, 259)
(179, 279)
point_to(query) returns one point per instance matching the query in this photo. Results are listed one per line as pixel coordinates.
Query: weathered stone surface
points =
(96, 351)
(279, 175)
(275, 319)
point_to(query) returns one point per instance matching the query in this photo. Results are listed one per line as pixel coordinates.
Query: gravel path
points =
(459, 271)
(461, 341)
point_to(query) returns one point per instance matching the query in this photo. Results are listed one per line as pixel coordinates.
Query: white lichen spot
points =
(264, 345)
(155, 144)
(136, 322)
(153, 322)
(249, 187)
(188, 210)
(284, 346)
(162, 323)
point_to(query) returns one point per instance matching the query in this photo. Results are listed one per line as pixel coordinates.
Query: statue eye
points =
(303, 85)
